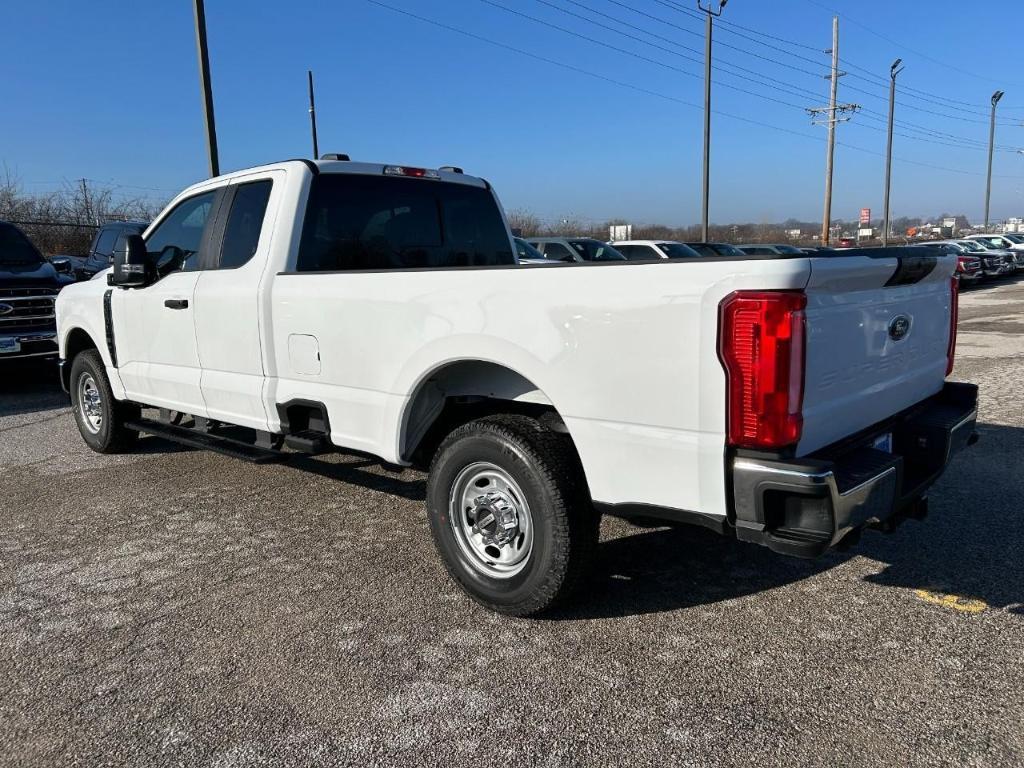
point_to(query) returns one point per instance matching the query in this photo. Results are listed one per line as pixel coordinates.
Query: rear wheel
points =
(510, 514)
(100, 417)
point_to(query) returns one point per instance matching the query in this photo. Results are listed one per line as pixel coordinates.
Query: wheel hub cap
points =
(90, 403)
(495, 519)
(491, 520)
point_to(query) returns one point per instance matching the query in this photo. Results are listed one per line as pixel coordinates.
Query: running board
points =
(206, 441)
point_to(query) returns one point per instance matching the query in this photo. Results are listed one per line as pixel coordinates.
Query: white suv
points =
(1009, 242)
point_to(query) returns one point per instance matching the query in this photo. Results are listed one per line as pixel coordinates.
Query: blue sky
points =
(109, 91)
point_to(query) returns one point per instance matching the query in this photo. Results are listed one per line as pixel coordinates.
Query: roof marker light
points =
(416, 173)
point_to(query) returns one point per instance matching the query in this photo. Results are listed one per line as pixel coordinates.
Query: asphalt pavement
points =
(175, 607)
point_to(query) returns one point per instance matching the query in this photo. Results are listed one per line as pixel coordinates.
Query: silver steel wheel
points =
(491, 520)
(90, 405)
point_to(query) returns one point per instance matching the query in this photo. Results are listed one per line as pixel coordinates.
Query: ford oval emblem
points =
(899, 327)
(6, 309)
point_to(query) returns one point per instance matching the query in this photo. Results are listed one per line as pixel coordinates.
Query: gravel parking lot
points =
(180, 607)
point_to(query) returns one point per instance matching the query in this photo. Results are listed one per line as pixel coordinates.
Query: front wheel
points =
(100, 417)
(510, 514)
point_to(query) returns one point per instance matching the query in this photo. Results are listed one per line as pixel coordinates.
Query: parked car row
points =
(978, 258)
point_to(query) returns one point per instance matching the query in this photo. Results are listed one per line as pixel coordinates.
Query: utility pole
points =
(312, 114)
(204, 83)
(85, 201)
(832, 112)
(991, 144)
(710, 15)
(894, 70)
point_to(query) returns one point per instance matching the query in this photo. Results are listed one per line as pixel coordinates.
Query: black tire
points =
(110, 436)
(565, 526)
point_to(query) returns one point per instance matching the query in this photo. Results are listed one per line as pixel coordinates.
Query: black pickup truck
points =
(28, 287)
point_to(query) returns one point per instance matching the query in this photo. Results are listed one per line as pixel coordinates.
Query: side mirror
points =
(62, 264)
(131, 267)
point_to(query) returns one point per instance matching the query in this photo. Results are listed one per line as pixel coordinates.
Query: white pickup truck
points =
(312, 306)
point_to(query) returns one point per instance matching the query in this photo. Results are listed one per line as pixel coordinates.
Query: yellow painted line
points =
(956, 602)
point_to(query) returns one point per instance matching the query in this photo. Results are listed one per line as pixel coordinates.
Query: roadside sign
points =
(865, 215)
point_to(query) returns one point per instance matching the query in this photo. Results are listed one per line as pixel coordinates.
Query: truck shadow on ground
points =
(29, 387)
(366, 472)
(971, 545)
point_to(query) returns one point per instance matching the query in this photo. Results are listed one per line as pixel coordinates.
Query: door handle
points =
(176, 303)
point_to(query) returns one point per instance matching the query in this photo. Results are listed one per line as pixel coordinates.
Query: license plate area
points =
(8, 346)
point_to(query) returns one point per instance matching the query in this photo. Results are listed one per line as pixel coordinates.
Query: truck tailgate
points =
(874, 347)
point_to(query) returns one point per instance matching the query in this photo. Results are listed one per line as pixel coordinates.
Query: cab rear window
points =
(358, 222)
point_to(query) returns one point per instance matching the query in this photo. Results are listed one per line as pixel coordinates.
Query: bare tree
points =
(524, 223)
(65, 220)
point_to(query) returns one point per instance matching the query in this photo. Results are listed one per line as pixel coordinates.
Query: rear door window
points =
(359, 222)
(244, 223)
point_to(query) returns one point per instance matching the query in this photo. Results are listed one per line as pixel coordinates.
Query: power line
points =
(634, 54)
(903, 46)
(960, 105)
(981, 117)
(651, 92)
(793, 90)
(785, 86)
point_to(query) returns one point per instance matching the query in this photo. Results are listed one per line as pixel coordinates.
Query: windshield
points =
(987, 245)
(678, 251)
(789, 249)
(1014, 239)
(15, 248)
(972, 246)
(527, 251)
(595, 250)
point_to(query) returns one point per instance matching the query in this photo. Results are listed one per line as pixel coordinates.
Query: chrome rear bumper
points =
(805, 506)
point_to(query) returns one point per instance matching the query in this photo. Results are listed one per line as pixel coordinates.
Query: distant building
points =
(1014, 225)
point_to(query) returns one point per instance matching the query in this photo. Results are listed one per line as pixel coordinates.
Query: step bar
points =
(194, 438)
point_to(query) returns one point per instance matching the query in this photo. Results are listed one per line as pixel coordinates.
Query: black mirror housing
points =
(131, 267)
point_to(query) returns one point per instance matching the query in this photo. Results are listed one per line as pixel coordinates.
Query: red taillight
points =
(761, 340)
(954, 314)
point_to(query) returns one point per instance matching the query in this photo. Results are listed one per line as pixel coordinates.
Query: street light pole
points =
(204, 84)
(894, 70)
(710, 15)
(991, 144)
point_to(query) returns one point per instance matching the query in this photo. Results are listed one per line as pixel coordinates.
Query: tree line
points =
(529, 224)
